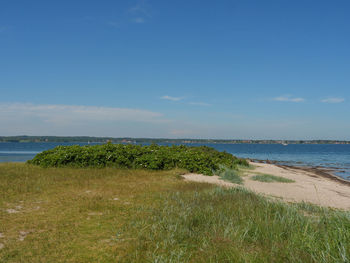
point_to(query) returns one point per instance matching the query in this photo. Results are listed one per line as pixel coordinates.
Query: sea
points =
(332, 156)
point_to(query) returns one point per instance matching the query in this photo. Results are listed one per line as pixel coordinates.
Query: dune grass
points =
(268, 178)
(114, 215)
(231, 175)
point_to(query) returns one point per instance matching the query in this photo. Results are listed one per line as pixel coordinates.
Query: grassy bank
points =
(118, 215)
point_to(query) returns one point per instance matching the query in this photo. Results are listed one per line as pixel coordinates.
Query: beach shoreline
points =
(323, 172)
(311, 185)
(326, 172)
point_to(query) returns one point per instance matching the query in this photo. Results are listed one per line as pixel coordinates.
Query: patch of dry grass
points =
(71, 215)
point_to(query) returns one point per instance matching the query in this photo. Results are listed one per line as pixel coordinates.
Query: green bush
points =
(201, 159)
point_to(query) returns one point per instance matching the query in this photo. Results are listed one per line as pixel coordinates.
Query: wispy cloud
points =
(166, 97)
(140, 8)
(288, 99)
(140, 12)
(139, 20)
(333, 100)
(70, 120)
(66, 114)
(113, 24)
(199, 104)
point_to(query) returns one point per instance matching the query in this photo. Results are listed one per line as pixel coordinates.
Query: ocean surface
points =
(323, 155)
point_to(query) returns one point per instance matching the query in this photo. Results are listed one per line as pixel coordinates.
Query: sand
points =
(311, 185)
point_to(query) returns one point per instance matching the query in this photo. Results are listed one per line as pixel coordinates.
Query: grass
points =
(231, 175)
(268, 178)
(114, 215)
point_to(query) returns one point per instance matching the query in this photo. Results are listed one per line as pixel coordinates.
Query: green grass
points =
(231, 175)
(267, 178)
(116, 215)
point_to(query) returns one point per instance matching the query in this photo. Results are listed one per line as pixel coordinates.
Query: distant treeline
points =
(86, 139)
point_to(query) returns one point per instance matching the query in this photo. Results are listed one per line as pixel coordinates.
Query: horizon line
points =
(164, 138)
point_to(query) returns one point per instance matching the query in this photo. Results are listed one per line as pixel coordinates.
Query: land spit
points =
(311, 185)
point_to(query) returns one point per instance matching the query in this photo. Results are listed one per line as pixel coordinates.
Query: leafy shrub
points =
(201, 159)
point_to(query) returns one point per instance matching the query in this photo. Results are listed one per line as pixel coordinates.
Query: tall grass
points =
(114, 215)
(231, 175)
(235, 225)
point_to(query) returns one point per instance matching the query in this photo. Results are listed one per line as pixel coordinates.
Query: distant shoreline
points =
(88, 139)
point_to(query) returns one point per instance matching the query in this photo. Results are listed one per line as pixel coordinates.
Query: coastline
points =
(311, 185)
(320, 171)
(323, 172)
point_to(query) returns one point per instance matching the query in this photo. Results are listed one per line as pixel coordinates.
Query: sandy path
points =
(308, 187)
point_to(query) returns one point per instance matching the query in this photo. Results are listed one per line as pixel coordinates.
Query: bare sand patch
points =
(309, 186)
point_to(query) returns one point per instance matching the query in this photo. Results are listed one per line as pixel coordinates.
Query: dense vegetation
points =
(201, 159)
(124, 215)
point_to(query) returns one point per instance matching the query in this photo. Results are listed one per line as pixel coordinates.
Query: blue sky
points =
(176, 69)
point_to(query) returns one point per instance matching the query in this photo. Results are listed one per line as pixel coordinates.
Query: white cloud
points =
(114, 24)
(67, 114)
(333, 100)
(288, 99)
(166, 97)
(140, 12)
(139, 20)
(141, 8)
(48, 119)
(199, 104)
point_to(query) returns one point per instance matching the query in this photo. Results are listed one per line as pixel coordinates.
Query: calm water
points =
(21, 152)
(325, 155)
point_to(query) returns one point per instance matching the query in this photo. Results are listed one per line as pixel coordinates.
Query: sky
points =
(176, 69)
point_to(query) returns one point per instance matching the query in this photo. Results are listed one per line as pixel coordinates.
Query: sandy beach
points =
(311, 185)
